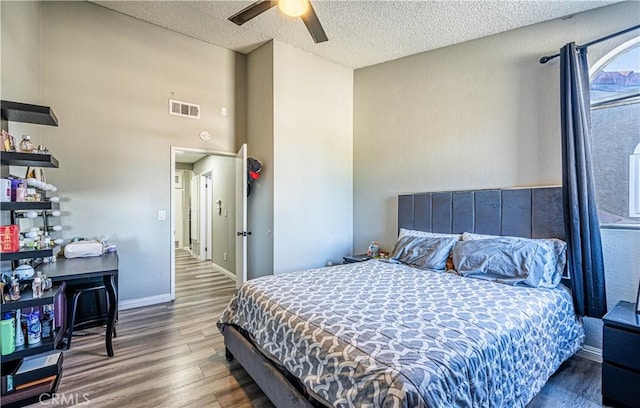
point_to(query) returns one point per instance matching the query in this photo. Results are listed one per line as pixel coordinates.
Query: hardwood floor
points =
(172, 355)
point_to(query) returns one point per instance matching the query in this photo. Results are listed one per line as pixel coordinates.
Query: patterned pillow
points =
(503, 260)
(555, 258)
(423, 252)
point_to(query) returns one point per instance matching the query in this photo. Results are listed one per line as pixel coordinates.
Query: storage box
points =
(37, 368)
(9, 238)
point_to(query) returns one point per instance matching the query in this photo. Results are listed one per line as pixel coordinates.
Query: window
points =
(615, 119)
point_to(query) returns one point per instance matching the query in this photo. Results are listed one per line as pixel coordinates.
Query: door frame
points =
(172, 217)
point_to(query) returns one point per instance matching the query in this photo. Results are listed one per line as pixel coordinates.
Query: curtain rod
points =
(548, 58)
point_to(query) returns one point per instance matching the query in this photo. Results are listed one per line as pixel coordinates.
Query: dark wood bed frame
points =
(534, 212)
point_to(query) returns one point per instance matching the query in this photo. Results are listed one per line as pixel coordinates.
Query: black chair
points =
(77, 291)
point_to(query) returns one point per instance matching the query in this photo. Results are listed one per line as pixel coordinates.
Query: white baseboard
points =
(230, 274)
(590, 353)
(147, 301)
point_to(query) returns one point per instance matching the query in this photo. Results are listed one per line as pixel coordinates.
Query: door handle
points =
(243, 233)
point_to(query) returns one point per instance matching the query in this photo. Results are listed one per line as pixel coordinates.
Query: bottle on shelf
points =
(37, 285)
(34, 328)
(47, 321)
(25, 145)
(374, 250)
(7, 335)
(21, 193)
(14, 289)
(19, 332)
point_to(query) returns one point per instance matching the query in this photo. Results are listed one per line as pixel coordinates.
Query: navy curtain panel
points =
(585, 262)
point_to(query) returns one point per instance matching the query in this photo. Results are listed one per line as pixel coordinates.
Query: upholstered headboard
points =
(534, 212)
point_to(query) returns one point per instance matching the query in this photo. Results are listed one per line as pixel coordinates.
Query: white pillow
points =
(556, 250)
(415, 233)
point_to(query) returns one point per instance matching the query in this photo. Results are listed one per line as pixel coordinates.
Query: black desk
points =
(78, 269)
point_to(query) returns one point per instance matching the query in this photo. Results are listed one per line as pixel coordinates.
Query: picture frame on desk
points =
(638, 300)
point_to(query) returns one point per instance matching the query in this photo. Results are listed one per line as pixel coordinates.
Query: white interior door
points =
(178, 196)
(205, 216)
(209, 251)
(194, 243)
(241, 216)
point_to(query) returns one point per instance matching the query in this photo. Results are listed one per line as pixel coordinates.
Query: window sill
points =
(621, 226)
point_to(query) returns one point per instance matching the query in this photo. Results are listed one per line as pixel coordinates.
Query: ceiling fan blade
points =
(252, 11)
(312, 22)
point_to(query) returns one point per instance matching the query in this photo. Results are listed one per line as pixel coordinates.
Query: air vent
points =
(179, 108)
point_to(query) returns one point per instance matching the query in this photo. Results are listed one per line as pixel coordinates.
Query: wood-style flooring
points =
(172, 355)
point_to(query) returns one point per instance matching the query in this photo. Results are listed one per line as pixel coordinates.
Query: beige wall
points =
(260, 146)
(20, 50)
(476, 115)
(109, 78)
(20, 56)
(300, 126)
(313, 183)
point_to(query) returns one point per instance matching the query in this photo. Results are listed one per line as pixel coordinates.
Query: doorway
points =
(207, 209)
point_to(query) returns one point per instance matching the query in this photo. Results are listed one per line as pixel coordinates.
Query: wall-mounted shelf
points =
(28, 113)
(27, 300)
(28, 159)
(29, 253)
(42, 115)
(30, 205)
(44, 345)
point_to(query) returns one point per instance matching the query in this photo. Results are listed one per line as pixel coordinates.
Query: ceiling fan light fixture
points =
(293, 8)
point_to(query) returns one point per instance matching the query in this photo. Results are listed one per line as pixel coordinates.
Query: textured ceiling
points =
(361, 33)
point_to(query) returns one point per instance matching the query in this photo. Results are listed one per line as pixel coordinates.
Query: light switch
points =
(223, 111)
(162, 215)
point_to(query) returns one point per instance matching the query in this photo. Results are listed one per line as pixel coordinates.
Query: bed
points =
(386, 334)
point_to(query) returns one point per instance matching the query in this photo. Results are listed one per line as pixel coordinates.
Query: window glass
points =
(619, 79)
(615, 118)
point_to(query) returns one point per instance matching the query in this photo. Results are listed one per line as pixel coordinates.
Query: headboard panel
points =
(524, 212)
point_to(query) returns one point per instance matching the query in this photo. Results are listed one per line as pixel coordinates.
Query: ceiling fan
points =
(293, 8)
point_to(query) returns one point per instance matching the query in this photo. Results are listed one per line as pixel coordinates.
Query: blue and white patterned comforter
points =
(375, 334)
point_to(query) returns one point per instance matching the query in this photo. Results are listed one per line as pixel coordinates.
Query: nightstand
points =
(355, 258)
(621, 356)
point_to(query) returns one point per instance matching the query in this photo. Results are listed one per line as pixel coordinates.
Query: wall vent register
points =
(186, 109)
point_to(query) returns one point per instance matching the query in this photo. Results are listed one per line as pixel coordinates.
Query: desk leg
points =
(109, 284)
